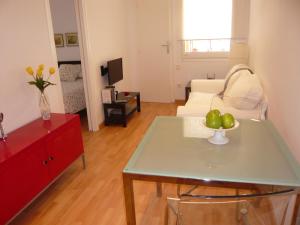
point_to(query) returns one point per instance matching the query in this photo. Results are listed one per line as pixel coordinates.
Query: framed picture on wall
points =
(59, 40)
(71, 39)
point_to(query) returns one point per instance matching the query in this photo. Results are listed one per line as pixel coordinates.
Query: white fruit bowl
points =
(219, 136)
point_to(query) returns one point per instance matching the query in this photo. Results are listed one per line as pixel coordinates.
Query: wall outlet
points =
(178, 67)
(179, 85)
(211, 76)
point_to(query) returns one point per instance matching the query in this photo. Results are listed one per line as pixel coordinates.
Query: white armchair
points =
(204, 96)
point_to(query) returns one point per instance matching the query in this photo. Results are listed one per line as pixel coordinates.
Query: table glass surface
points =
(178, 147)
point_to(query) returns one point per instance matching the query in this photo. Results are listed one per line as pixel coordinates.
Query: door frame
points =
(80, 13)
(172, 40)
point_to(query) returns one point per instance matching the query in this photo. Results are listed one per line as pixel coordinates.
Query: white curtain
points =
(207, 19)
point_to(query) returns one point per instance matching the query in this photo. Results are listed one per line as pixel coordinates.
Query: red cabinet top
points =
(25, 136)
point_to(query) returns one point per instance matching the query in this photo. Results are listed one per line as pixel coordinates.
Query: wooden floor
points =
(95, 196)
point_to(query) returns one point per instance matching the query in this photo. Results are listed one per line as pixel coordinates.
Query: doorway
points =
(70, 58)
(154, 50)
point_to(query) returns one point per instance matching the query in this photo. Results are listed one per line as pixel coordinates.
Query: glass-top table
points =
(176, 150)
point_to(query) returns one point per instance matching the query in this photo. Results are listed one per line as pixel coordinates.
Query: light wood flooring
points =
(94, 196)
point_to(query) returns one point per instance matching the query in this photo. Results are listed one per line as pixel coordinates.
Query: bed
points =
(72, 86)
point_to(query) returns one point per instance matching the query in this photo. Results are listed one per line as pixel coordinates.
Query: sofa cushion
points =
(244, 92)
(200, 103)
(200, 98)
(238, 114)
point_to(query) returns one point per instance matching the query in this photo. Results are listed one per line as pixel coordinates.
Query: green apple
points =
(228, 121)
(216, 111)
(213, 119)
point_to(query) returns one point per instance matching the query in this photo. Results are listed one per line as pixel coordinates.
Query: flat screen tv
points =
(115, 71)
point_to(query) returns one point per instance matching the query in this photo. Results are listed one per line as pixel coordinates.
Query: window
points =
(207, 26)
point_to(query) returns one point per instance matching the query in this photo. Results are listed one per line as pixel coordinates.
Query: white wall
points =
(131, 46)
(187, 69)
(24, 42)
(64, 21)
(274, 55)
(107, 35)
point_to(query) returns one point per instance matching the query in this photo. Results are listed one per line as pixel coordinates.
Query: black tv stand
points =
(125, 105)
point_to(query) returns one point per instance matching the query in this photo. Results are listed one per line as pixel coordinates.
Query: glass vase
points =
(44, 107)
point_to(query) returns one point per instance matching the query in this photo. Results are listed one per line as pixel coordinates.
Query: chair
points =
(250, 209)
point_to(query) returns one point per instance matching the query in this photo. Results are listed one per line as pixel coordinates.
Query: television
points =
(115, 71)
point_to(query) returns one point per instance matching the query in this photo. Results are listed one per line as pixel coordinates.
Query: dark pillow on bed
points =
(69, 72)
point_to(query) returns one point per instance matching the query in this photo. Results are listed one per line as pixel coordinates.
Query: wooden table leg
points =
(158, 189)
(129, 199)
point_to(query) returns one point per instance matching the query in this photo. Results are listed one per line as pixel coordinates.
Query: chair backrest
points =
(222, 210)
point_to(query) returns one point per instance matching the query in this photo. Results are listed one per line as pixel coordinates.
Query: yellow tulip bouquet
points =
(38, 78)
(42, 83)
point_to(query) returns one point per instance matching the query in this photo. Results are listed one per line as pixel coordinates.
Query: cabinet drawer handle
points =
(51, 158)
(45, 162)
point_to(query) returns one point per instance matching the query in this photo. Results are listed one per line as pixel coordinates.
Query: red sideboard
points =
(33, 156)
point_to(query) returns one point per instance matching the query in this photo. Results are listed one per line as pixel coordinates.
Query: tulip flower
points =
(41, 67)
(39, 80)
(39, 72)
(51, 70)
(29, 70)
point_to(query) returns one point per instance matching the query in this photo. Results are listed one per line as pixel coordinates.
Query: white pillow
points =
(245, 92)
(235, 69)
(69, 72)
(232, 75)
